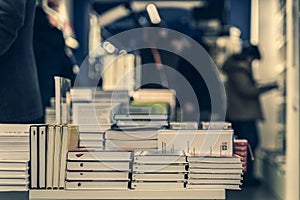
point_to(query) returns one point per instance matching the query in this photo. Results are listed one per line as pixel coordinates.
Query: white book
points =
(159, 176)
(131, 144)
(129, 124)
(96, 175)
(160, 168)
(159, 157)
(42, 134)
(14, 147)
(207, 186)
(14, 181)
(24, 139)
(15, 155)
(50, 156)
(197, 142)
(215, 176)
(13, 188)
(91, 136)
(57, 149)
(143, 185)
(97, 185)
(85, 155)
(14, 173)
(34, 156)
(216, 171)
(216, 165)
(99, 166)
(143, 117)
(91, 143)
(94, 128)
(15, 129)
(135, 134)
(63, 156)
(13, 165)
(214, 159)
(215, 181)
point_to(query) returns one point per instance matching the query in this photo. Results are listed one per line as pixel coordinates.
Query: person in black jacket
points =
(50, 54)
(243, 105)
(19, 90)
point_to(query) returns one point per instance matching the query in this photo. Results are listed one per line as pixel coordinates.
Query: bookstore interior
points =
(144, 113)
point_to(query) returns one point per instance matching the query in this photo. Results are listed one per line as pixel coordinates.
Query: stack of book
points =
(92, 111)
(96, 170)
(49, 145)
(14, 157)
(215, 172)
(159, 171)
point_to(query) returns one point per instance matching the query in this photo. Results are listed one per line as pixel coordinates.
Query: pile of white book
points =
(215, 172)
(14, 157)
(159, 171)
(92, 112)
(49, 145)
(96, 170)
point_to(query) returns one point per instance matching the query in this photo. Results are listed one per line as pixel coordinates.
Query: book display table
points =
(126, 194)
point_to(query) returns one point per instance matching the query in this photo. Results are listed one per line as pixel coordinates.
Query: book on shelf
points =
(197, 142)
(19, 165)
(99, 144)
(176, 168)
(184, 125)
(98, 166)
(142, 117)
(159, 157)
(91, 136)
(34, 156)
(213, 186)
(50, 158)
(97, 185)
(131, 144)
(14, 173)
(215, 125)
(101, 155)
(158, 176)
(215, 181)
(214, 159)
(131, 134)
(157, 185)
(94, 175)
(215, 165)
(217, 171)
(207, 175)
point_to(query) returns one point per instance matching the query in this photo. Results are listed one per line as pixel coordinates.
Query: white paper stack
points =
(14, 157)
(215, 172)
(93, 170)
(159, 171)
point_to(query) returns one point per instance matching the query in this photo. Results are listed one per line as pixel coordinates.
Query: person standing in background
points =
(243, 105)
(20, 100)
(50, 53)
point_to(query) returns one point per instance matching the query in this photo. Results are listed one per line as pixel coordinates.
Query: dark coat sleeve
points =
(243, 85)
(12, 17)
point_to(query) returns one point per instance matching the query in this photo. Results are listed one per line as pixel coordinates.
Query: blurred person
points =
(50, 53)
(243, 105)
(19, 89)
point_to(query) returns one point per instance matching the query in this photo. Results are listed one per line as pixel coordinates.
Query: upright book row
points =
(49, 145)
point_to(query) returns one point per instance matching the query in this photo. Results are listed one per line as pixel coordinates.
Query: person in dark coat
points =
(50, 54)
(243, 105)
(20, 100)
